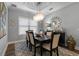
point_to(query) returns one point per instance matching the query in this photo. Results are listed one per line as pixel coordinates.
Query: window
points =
(26, 24)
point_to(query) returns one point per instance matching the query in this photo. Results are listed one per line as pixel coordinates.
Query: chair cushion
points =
(47, 46)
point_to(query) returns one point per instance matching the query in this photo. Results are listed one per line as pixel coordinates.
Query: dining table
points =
(42, 39)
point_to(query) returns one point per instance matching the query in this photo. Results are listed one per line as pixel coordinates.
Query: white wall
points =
(70, 20)
(13, 30)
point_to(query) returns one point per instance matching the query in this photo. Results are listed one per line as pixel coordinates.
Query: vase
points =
(71, 43)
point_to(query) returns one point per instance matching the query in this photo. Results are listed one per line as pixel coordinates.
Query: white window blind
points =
(26, 24)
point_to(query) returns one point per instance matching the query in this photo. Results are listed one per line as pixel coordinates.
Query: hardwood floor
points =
(10, 50)
(77, 51)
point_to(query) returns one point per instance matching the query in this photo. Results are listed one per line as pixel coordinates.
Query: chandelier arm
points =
(39, 15)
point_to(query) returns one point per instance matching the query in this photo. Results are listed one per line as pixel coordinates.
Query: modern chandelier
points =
(39, 15)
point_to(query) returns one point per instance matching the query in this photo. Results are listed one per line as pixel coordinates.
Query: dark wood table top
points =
(43, 38)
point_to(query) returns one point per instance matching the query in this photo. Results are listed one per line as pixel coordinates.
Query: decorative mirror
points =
(56, 24)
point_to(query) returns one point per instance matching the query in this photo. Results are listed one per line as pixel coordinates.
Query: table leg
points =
(41, 49)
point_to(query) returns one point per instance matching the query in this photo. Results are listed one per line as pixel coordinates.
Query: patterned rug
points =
(21, 49)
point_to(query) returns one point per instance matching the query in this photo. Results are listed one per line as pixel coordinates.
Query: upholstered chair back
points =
(31, 38)
(55, 40)
(27, 36)
(49, 34)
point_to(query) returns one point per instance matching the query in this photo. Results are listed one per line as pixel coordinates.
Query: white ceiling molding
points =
(19, 5)
(44, 6)
(55, 6)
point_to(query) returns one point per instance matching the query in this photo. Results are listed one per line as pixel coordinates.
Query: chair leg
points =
(27, 43)
(54, 51)
(57, 52)
(41, 51)
(34, 51)
(30, 47)
(50, 53)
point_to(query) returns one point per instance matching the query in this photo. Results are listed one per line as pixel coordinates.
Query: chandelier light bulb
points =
(38, 17)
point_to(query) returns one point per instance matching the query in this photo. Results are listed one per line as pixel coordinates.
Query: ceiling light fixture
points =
(39, 15)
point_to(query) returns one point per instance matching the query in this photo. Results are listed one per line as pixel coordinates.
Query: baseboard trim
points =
(4, 51)
(16, 41)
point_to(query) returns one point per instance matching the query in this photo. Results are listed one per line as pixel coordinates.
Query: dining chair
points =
(27, 38)
(48, 33)
(33, 42)
(53, 45)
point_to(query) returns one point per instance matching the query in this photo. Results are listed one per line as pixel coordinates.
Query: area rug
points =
(61, 53)
(21, 49)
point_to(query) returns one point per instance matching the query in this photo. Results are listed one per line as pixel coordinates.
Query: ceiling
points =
(45, 7)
